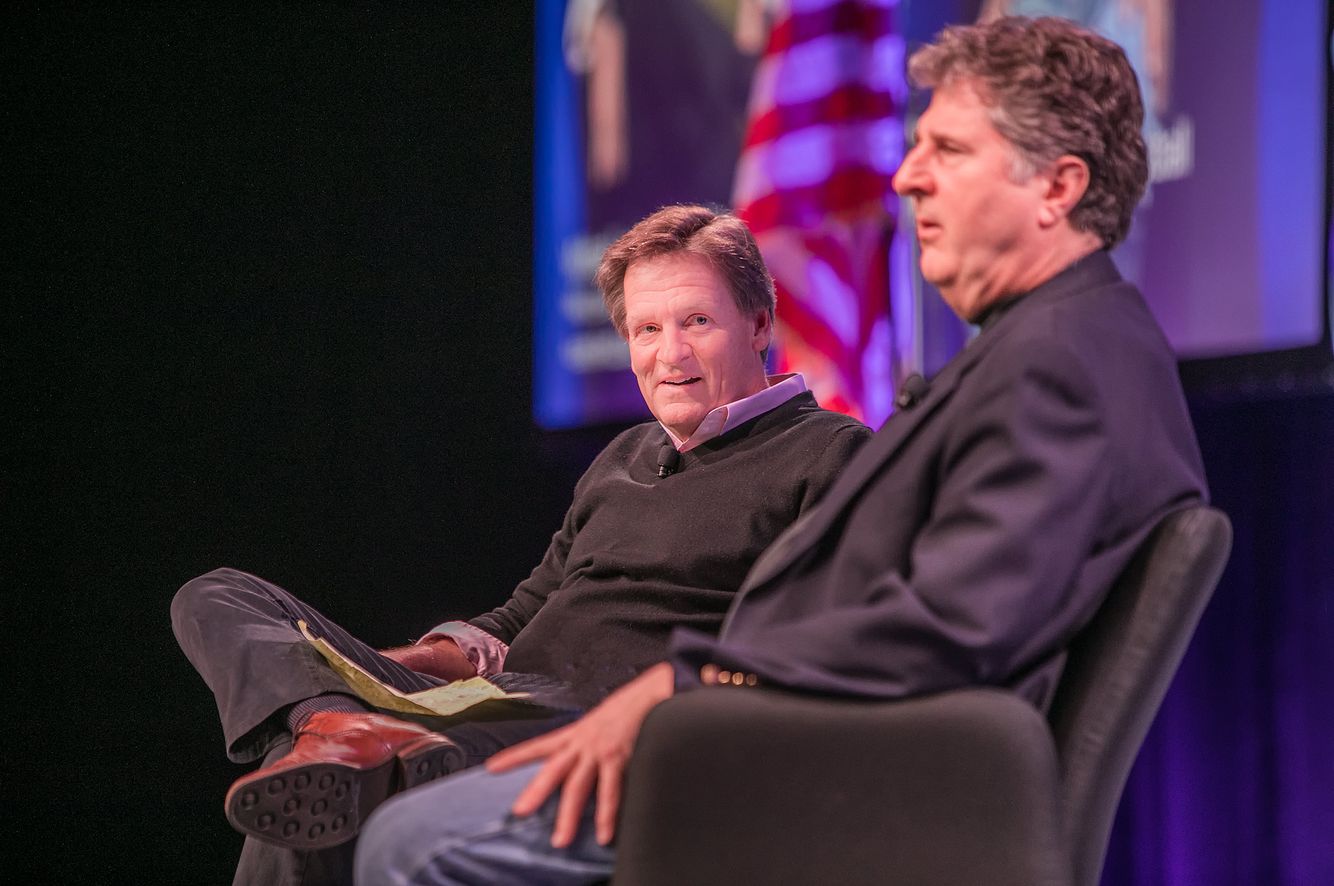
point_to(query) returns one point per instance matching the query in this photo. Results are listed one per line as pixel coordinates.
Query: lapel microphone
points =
(668, 460)
(911, 392)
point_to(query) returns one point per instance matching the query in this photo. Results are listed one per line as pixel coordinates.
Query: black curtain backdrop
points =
(1235, 783)
(268, 305)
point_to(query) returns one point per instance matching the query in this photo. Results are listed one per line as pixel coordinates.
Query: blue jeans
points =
(460, 831)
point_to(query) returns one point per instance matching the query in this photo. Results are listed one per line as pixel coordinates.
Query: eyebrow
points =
(689, 308)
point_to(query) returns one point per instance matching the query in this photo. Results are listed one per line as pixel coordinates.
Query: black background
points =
(268, 305)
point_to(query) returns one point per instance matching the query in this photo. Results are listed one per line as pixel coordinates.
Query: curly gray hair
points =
(1053, 88)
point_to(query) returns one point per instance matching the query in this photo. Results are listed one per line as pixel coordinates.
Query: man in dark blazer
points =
(971, 540)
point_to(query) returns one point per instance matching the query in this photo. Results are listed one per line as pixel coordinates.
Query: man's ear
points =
(764, 331)
(1067, 181)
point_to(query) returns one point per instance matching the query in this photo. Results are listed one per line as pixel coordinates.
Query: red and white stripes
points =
(813, 182)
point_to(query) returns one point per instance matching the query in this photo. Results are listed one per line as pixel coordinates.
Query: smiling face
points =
(691, 348)
(979, 226)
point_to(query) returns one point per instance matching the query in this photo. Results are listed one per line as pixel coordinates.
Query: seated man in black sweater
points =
(663, 528)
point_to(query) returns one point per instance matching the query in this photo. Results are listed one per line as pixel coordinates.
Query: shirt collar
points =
(722, 419)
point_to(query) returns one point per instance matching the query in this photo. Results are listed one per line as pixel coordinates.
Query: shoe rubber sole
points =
(318, 805)
(427, 762)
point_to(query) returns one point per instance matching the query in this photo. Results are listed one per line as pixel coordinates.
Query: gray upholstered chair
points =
(972, 786)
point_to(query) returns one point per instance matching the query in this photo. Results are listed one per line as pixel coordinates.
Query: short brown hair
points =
(720, 238)
(1054, 88)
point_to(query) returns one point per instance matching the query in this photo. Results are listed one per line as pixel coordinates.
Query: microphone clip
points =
(911, 392)
(668, 460)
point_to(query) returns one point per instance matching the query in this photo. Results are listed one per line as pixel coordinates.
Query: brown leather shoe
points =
(340, 768)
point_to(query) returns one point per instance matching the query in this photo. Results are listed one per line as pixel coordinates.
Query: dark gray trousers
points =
(240, 634)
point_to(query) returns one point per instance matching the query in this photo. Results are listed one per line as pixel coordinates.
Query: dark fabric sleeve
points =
(992, 578)
(530, 595)
(505, 621)
(824, 470)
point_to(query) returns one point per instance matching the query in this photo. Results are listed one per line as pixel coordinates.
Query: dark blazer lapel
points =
(1093, 270)
(804, 533)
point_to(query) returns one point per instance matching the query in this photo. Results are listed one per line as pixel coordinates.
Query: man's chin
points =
(682, 419)
(933, 271)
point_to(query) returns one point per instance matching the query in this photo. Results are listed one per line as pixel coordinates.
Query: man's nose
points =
(911, 177)
(673, 347)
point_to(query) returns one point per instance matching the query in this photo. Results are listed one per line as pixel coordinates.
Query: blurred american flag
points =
(824, 137)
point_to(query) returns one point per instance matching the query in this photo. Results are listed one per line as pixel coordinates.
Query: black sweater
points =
(637, 555)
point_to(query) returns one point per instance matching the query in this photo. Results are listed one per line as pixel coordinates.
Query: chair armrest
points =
(737, 786)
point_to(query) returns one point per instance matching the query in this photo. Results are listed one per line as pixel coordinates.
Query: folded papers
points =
(479, 697)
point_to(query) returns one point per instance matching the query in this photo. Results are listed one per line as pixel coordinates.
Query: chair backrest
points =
(1119, 669)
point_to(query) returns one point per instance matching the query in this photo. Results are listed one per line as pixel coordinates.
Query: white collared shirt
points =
(722, 419)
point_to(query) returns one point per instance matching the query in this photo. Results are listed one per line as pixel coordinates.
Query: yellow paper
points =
(449, 700)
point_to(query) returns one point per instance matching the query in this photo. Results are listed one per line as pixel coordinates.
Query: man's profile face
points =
(975, 223)
(691, 348)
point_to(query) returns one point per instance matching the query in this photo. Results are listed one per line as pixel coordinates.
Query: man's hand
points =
(435, 656)
(591, 751)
